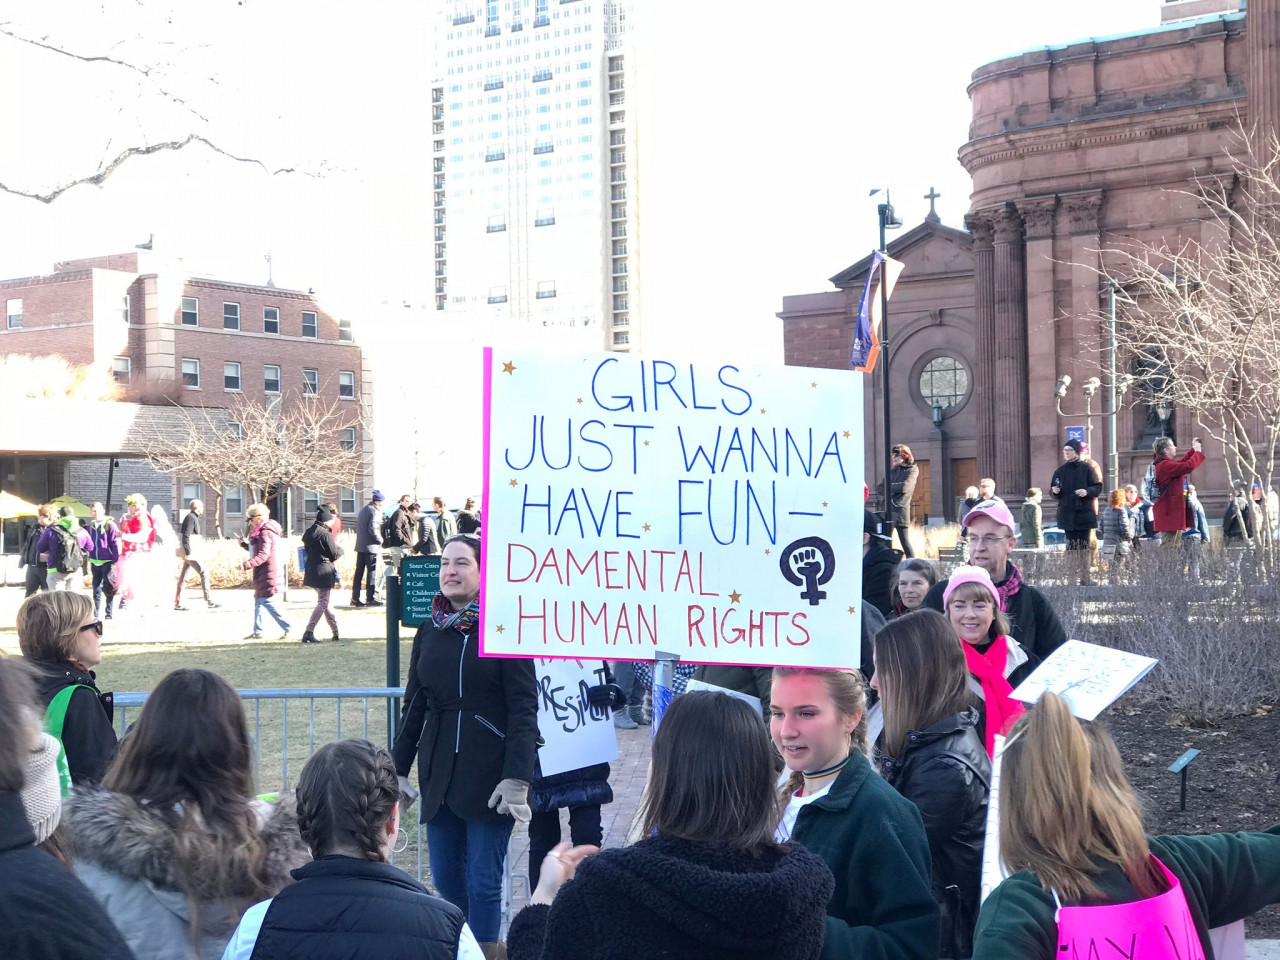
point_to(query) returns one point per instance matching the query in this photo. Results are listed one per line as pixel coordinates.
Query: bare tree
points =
(1201, 321)
(265, 448)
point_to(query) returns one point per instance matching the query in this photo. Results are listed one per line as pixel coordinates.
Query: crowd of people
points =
(825, 814)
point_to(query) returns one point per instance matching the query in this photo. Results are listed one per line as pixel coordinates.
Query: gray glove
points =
(511, 798)
(408, 794)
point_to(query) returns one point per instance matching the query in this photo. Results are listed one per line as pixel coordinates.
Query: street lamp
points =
(888, 221)
(1116, 390)
(938, 415)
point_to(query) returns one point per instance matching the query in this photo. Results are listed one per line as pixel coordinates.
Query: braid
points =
(346, 793)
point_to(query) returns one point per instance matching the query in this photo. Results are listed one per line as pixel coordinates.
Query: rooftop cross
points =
(931, 196)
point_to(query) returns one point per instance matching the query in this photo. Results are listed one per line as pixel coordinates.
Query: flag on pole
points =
(866, 335)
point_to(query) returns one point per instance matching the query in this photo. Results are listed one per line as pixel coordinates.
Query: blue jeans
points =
(466, 864)
(267, 604)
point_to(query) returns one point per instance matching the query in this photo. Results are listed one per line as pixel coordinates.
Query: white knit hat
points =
(42, 795)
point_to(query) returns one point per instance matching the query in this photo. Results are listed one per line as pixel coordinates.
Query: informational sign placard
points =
(575, 733)
(1088, 676)
(419, 583)
(708, 508)
(1077, 433)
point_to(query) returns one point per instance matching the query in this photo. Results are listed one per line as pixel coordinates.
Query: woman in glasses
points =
(61, 639)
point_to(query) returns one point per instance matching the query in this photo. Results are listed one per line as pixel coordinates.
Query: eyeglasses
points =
(990, 540)
(96, 627)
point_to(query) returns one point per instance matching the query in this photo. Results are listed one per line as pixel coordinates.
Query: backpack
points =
(388, 527)
(72, 552)
(1152, 491)
(54, 718)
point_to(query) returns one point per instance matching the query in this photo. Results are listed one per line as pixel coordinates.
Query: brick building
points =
(1072, 149)
(169, 338)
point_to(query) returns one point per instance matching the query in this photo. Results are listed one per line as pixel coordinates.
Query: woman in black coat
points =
(319, 573)
(1077, 486)
(472, 723)
(932, 754)
(902, 487)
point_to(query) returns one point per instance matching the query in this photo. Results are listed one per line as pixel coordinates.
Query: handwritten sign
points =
(419, 583)
(993, 869)
(1088, 676)
(708, 508)
(576, 734)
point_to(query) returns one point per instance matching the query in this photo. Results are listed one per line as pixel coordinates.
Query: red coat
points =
(263, 559)
(1171, 512)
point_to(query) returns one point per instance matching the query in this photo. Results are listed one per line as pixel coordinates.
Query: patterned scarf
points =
(1011, 585)
(988, 669)
(464, 621)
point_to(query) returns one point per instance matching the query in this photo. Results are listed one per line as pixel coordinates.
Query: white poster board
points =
(576, 734)
(1088, 676)
(993, 870)
(706, 508)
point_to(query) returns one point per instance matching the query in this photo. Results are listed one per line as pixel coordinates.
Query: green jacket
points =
(873, 840)
(1225, 877)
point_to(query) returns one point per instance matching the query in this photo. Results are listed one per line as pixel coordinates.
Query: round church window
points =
(945, 380)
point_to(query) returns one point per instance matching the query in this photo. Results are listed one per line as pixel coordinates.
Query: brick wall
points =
(57, 317)
(86, 480)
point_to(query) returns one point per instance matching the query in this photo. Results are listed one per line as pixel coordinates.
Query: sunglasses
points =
(96, 627)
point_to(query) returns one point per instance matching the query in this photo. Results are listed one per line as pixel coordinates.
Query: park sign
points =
(709, 509)
(419, 584)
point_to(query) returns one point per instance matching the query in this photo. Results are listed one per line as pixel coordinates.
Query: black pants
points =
(902, 529)
(102, 585)
(367, 564)
(544, 833)
(37, 578)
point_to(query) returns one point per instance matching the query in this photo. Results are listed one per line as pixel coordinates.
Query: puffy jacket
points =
(1117, 525)
(1171, 512)
(322, 553)
(944, 770)
(30, 556)
(369, 529)
(88, 736)
(264, 559)
(1031, 529)
(572, 788)
(1075, 512)
(126, 854)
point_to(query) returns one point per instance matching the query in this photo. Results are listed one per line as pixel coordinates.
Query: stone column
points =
(1042, 322)
(1262, 33)
(1008, 399)
(984, 356)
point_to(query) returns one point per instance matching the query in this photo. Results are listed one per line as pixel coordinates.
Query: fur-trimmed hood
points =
(123, 836)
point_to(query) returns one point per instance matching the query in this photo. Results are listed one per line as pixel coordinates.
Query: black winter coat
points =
(88, 736)
(1238, 522)
(1077, 513)
(680, 900)
(879, 570)
(470, 721)
(46, 913)
(944, 770)
(322, 553)
(902, 486)
(342, 907)
(1032, 620)
(572, 788)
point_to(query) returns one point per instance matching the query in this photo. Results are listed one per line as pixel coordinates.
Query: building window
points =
(231, 376)
(310, 502)
(497, 224)
(122, 370)
(310, 382)
(231, 316)
(191, 312)
(13, 309)
(191, 373)
(270, 319)
(546, 289)
(945, 380)
(621, 337)
(233, 500)
(344, 330)
(497, 294)
(124, 308)
(235, 430)
(545, 146)
(544, 218)
(271, 379)
(346, 384)
(310, 324)
(347, 438)
(192, 491)
(346, 500)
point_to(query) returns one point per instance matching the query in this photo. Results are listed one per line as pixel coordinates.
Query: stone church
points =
(1070, 148)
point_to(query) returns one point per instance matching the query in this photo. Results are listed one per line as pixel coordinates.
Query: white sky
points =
(764, 127)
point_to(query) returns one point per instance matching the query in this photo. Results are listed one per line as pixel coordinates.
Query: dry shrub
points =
(226, 556)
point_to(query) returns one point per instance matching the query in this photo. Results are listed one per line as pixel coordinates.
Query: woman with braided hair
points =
(471, 723)
(350, 902)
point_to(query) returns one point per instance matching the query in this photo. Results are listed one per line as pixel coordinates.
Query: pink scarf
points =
(1001, 709)
(1011, 585)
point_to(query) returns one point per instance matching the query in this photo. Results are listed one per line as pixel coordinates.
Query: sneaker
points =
(178, 606)
(334, 638)
(622, 720)
(284, 634)
(637, 712)
(108, 616)
(254, 636)
(309, 637)
(356, 603)
(375, 603)
(214, 606)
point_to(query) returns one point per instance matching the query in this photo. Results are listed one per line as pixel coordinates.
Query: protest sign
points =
(693, 685)
(576, 734)
(993, 870)
(1088, 676)
(708, 508)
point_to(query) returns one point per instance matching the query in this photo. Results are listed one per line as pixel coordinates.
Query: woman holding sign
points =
(472, 724)
(932, 754)
(870, 836)
(1088, 878)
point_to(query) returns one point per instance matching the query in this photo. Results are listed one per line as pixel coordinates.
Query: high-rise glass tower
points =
(534, 196)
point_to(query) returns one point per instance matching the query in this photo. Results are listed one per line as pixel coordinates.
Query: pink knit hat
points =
(968, 574)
